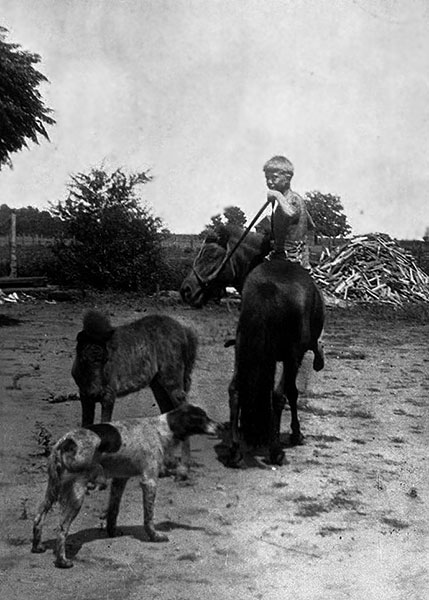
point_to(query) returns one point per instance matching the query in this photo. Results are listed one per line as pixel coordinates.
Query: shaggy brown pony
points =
(155, 351)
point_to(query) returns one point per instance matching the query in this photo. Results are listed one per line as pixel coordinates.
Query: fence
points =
(26, 240)
(190, 243)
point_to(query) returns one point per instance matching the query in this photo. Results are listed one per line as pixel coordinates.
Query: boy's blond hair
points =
(280, 163)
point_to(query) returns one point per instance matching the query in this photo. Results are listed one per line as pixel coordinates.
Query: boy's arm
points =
(288, 206)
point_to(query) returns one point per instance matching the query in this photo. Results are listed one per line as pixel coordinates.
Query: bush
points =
(110, 241)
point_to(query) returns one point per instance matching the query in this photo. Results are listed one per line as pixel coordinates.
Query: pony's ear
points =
(211, 238)
(219, 236)
(223, 234)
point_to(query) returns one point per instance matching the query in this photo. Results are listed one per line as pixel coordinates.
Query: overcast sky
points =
(204, 92)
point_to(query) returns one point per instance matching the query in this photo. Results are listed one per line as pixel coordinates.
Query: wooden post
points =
(13, 269)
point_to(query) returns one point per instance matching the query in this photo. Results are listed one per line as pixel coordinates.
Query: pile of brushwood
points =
(372, 268)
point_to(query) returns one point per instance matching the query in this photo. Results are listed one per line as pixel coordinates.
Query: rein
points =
(204, 283)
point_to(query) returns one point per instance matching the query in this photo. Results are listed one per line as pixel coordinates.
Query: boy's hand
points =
(273, 195)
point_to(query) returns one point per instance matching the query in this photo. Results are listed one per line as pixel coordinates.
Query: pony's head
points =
(212, 271)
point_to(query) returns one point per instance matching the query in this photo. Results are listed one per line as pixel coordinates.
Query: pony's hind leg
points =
(71, 499)
(319, 355)
(276, 452)
(234, 456)
(290, 374)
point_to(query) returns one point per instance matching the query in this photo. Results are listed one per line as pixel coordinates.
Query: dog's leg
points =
(149, 493)
(168, 399)
(182, 471)
(88, 410)
(116, 490)
(50, 497)
(71, 499)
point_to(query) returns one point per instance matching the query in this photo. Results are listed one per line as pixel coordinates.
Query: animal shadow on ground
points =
(253, 457)
(76, 540)
(6, 321)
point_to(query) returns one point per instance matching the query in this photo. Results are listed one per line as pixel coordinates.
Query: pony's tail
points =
(256, 367)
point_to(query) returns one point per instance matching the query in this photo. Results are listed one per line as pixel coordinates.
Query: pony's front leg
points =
(88, 409)
(235, 455)
(107, 405)
(291, 390)
(276, 452)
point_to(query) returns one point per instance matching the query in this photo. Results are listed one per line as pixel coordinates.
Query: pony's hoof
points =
(296, 439)
(38, 549)
(277, 457)
(63, 563)
(234, 458)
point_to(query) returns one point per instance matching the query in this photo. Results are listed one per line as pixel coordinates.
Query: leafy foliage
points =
(23, 113)
(327, 213)
(232, 215)
(109, 240)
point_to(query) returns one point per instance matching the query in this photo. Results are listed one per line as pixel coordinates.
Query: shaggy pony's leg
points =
(88, 410)
(71, 499)
(116, 490)
(107, 404)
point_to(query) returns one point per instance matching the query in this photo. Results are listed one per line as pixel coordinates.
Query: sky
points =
(203, 92)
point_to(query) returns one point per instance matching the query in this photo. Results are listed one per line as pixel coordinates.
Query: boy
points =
(290, 221)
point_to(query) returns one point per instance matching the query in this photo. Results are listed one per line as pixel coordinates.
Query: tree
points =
(109, 240)
(23, 113)
(232, 215)
(327, 213)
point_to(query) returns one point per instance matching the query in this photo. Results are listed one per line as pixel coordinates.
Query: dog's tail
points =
(56, 469)
(97, 326)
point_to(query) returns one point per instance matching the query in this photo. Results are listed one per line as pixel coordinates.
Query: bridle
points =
(204, 283)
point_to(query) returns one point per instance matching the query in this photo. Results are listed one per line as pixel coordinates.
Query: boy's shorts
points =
(295, 252)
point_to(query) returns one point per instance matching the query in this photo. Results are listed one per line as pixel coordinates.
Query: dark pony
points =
(203, 282)
(281, 318)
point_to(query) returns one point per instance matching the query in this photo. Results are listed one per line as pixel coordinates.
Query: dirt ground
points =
(345, 518)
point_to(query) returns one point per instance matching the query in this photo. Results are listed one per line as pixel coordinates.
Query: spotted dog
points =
(117, 450)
